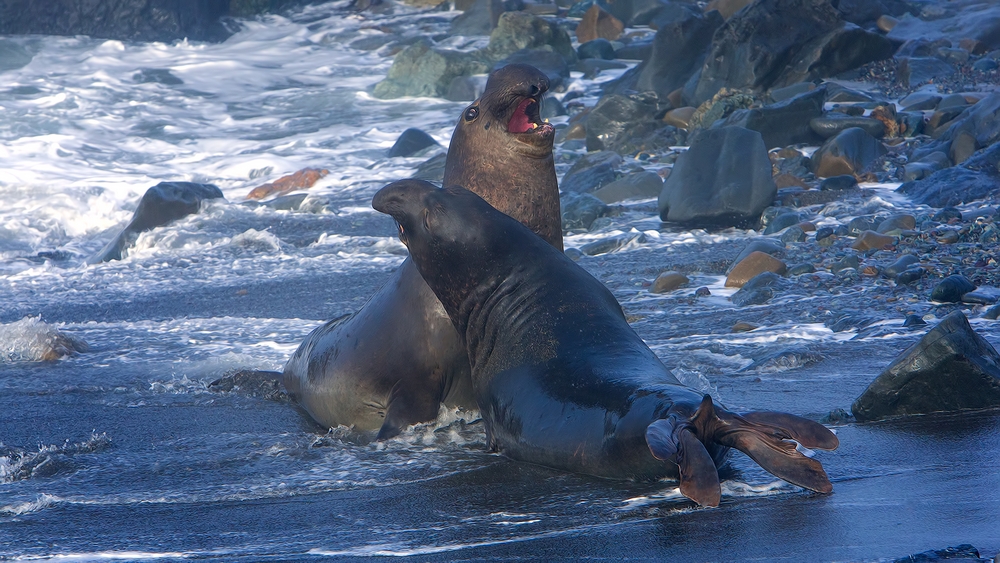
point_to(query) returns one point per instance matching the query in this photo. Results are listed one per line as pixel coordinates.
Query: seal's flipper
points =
(670, 438)
(809, 433)
(404, 408)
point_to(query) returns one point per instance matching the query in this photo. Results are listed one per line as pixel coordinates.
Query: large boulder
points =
(520, 30)
(424, 70)
(482, 17)
(978, 126)
(976, 178)
(616, 117)
(723, 179)
(967, 19)
(129, 20)
(162, 204)
(679, 50)
(784, 123)
(775, 43)
(951, 368)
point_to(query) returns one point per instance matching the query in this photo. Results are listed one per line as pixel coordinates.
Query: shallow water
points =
(121, 452)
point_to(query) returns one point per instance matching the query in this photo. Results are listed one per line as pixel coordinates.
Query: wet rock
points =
(552, 64)
(768, 246)
(837, 416)
(301, 180)
(851, 151)
(161, 204)
(669, 281)
(900, 265)
(976, 178)
(964, 553)
(599, 48)
(723, 179)
(950, 369)
(951, 289)
(591, 172)
(783, 360)
(598, 24)
(850, 321)
(153, 75)
(982, 296)
(985, 65)
(913, 71)
(896, 223)
(824, 233)
(861, 224)
(411, 141)
(992, 313)
(799, 269)
(611, 244)
(911, 123)
(947, 214)
(520, 30)
(793, 234)
(979, 22)
(482, 16)
(579, 211)
(912, 321)
(702, 292)
(784, 123)
(640, 185)
(835, 122)
(789, 92)
(424, 70)
(775, 43)
(126, 20)
(743, 327)
(842, 182)
(678, 51)
(782, 221)
(758, 290)
(910, 275)
(848, 262)
(920, 101)
(615, 117)
(751, 266)
(252, 383)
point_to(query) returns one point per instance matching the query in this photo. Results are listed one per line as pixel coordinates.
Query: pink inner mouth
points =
(520, 122)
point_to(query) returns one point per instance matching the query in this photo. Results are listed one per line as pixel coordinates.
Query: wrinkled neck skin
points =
(516, 177)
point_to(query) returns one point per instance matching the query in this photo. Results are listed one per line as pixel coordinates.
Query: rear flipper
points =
(767, 437)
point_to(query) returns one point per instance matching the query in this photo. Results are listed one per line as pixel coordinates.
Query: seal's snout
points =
(402, 200)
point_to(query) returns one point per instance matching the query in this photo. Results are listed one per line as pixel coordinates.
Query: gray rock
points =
(784, 123)
(914, 71)
(615, 117)
(850, 152)
(835, 122)
(723, 179)
(951, 289)
(678, 50)
(579, 211)
(766, 245)
(900, 265)
(424, 70)
(162, 204)
(910, 275)
(783, 221)
(920, 101)
(599, 48)
(842, 182)
(976, 178)
(411, 141)
(950, 369)
(640, 185)
(552, 64)
(979, 21)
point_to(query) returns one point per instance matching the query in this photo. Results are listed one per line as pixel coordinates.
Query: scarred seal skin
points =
(397, 359)
(560, 377)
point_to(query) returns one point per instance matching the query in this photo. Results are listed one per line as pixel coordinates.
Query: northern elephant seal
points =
(397, 359)
(560, 377)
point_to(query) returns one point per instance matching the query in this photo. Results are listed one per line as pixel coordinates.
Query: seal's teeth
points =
(534, 126)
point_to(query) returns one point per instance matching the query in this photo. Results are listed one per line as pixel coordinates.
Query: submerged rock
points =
(723, 179)
(669, 281)
(162, 204)
(252, 383)
(301, 180)
(411, 141)
(31, 340)
(951, 368)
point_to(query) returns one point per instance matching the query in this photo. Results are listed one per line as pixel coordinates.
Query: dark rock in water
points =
(859, 225)
(636, 51)
(799, 269)
(597, 49)
(964, 553)
(951, 368)
(774, 43)
(611, 244)
(579, 211)
(914, 321)
(520, 30)
(920, 101)
(591, 172)
(598, 23)
(793, 234)
(424, 70)
(992, 313)
(850, 261)
(723, 179)
(482, 17)
(985, 65)
(982, 296)
(824, 233)
(552, 64)
(782, 221)
(842, 182)
(252, 383)
(669, 281)
(127, 20)
(835, 122)
(465, 88)
(901, 265)
(641, 185)
(783, 360)
(157, 75)
(702, 292)
(432, 169)
(758, 290)
(837, 416)
(753, 265)
(783, 123)
(914, 71)
(976, 178)
(910, 275)
(162, 204)
(615, 117)
(847, 322)
(947, 214)
(411, 141)
(897, 222)
(678, 50)
(13, 55)
(850, 152)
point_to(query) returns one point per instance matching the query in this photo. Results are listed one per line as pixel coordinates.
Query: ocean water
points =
(117, 449)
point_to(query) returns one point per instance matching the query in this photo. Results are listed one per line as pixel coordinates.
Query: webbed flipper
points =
(406, 407)
(699, 479)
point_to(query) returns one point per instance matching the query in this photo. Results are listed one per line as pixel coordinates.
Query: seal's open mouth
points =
(526, 118)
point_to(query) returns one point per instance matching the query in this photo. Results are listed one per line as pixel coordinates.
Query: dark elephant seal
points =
(560, 377)
(398, 358)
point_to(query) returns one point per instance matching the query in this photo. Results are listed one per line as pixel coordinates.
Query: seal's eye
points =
(471, 113)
